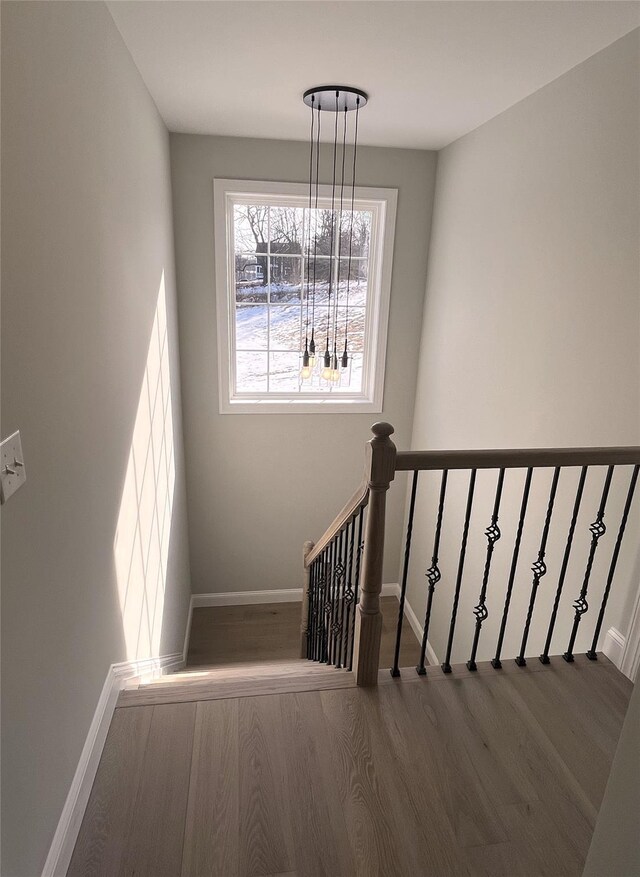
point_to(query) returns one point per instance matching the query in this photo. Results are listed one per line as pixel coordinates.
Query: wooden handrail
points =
(357, 501)
(516, 458)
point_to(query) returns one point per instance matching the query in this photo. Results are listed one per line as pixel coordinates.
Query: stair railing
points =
(341, 617)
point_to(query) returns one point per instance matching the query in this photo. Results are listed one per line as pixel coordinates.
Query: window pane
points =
(354, 319)
(286, 274)
(361, 233)
(319, 272)
(251, 278)
(251, 228)
(285, 327)
(351, 377)
(284, 371)
(251, 372)
(356, 287)
(322, 227)
(286, 230)
(251, 327)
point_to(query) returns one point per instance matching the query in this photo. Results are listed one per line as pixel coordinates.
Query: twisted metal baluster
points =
(319, 606)
(544, 657)
(348, 593)
(493, 534)
(359, 549)
(496, 662)
(539, 568)
(327, 604)
(395, 671)
(591, 654)
(341, 586)
(446, 666)
(335, 588)
(310, 612)
(597, 530)
(433, 574)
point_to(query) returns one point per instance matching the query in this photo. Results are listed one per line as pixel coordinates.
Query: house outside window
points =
(278, 276)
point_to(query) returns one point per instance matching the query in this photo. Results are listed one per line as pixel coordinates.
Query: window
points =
(276, 277)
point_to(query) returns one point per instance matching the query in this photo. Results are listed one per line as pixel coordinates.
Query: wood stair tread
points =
(236, 681)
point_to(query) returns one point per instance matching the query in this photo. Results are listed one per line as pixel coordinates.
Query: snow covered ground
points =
(270, 340)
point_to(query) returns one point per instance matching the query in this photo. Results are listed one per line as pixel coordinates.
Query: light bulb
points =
(335, 375)
(312, 361)
(326, 373)
(305, 372)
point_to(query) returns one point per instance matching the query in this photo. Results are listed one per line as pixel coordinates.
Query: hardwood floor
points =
(497, 774)
(269, 632)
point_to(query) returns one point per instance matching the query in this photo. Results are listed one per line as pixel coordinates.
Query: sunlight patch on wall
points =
(141, 545)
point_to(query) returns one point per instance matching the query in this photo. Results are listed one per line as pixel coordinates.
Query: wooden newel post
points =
(304, 619)
(380, 467)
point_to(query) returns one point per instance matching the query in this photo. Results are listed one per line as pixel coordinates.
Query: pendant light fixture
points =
(339, 100)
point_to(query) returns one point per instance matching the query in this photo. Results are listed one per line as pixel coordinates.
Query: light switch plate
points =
(13, 473)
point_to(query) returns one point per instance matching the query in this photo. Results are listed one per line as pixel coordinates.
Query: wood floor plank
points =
(405, 758)
(100, 845)
(156, 834)
(569, 730)
(265, 829)
(367, 815)
(466, 802)
(212, 832)
(320, 840)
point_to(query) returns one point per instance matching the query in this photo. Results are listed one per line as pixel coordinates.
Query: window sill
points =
(300, 406)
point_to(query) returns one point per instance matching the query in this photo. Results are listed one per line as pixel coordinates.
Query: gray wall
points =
(531, 323)
(260, 485)
(615, 846)
(86, 237)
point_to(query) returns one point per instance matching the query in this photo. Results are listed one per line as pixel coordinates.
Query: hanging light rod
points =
(323, 97)
(327, 367)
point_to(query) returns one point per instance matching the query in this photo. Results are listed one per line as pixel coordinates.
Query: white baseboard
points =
(613, 646)
(247, 598)
(417, 628)
(630, 664)
(187, 633)
(66, 834)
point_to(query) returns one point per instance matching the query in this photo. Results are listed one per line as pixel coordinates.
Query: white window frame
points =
(382, 203)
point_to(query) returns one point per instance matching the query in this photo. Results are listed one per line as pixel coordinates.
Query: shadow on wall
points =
(141, 546)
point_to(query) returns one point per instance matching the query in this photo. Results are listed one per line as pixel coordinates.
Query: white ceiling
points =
(434, 70)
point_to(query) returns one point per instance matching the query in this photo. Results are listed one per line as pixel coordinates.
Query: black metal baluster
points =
(313, 574)
(319, 608)
(335, 614)
(446, 666)
(597, 530)
(332, 591)
(591, 654)
(544, 657)
(310, 613)
(327, 604)
(395, 671)
(433, 574)
(539, 568)
(493, 534)
(359, 548)
(348, 593)
(332, 600)
(340, 612)
(341, 583)
(496, 662)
